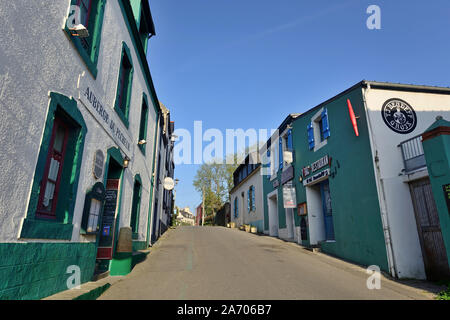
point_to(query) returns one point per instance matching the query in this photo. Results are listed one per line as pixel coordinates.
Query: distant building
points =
(186, 216)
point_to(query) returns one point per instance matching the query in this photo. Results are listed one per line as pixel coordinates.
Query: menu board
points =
(447, 195)
(108, 221)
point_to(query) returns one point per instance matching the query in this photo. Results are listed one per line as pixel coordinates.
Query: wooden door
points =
(429, 229)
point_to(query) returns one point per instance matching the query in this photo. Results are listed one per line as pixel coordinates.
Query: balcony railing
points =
(413, 155)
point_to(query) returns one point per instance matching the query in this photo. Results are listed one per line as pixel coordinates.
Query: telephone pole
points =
(203, 206)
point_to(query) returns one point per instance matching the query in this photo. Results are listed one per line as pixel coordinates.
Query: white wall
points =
(244, 216)
(36, 57)
(400, 211)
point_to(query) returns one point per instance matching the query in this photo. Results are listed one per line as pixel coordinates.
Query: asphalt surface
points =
(196, 263)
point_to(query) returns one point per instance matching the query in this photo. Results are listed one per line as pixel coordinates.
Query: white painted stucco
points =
(245, 217)
(37, 57)
(393, 189)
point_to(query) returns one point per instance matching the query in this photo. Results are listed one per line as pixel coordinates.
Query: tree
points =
(216, 179)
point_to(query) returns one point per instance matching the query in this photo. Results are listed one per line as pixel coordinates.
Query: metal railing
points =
(413, 154)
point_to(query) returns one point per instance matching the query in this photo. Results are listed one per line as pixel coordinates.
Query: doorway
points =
(429, 230)
(327, 209)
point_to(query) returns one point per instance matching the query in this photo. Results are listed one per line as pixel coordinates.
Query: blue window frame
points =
(324, 126)
(311, 136)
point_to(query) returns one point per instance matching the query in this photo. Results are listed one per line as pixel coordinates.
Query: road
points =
(192, 263)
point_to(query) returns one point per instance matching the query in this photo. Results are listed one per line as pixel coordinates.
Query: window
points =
(318, 130)
(91, 16)
(135, 209)
(236, 210)
(143, 125)
(55, 184)
(269, 164)
(53, 169)
(122, 105)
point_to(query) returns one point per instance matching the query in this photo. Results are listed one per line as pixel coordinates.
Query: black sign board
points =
(447, 195)
(287, 175)
(109, 216)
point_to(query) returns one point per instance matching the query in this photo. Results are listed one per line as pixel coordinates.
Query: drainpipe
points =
(381, 193)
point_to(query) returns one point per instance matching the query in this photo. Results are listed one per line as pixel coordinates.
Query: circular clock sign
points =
(399, 116)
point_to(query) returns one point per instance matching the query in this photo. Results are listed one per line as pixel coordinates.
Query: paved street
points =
(220, 263)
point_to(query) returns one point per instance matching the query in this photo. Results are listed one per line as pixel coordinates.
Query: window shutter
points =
(290, 146)
(311, 136)
(280, 152)
(248, 200)
(325, 126)
(253, 199)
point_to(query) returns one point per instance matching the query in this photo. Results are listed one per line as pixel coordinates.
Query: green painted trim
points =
(152, 180)
(90, 58)
(116, 155)
(70, 173)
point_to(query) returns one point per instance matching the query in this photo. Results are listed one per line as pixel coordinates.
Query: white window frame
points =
(315, 120)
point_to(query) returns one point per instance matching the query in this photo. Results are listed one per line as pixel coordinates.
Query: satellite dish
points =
(168, 183)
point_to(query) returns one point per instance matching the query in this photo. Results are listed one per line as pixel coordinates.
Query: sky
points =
(249, 63)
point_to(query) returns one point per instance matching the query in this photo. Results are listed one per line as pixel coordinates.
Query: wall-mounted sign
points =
(287, 174)
(322, 175)
(105, 115)
(447, 195)
(399, 116)
(289, 196)
(302, 209)
(99, 158)
(315, 166)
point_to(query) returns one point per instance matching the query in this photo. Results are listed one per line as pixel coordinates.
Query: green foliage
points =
(215, 180)
(444, 295)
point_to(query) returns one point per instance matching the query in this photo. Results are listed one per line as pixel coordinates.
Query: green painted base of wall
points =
(139, 245)
(30, 271)
(121, 264)
(349, 254)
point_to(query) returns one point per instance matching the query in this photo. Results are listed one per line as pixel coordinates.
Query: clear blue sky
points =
(249, 63)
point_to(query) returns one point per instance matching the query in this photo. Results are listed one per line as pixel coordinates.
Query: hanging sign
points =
(322, 175)
(99, 158)
(289, 196)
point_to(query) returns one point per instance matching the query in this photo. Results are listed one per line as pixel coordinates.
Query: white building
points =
(247, 206)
